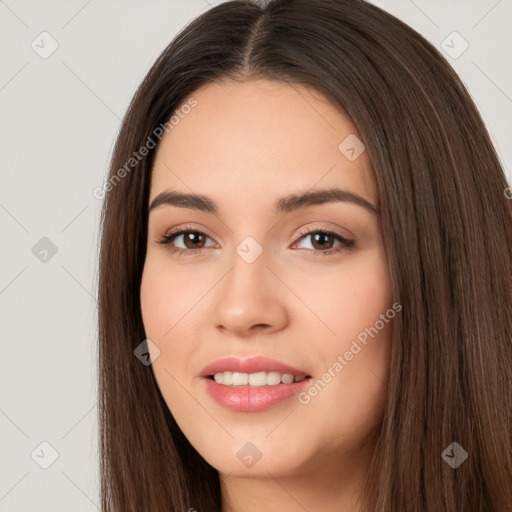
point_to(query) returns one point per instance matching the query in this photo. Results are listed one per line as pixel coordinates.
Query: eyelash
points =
(345, 243)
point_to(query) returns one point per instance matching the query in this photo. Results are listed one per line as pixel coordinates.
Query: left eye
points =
(322, 241)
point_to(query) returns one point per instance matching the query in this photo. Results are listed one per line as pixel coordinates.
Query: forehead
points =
(265, 138)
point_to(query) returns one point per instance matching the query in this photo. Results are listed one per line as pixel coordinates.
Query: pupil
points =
(322, 237)
(194, 239)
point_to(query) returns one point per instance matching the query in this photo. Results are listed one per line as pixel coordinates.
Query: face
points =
(256, 286)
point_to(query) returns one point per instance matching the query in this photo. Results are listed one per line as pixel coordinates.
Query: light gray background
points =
(58, 121)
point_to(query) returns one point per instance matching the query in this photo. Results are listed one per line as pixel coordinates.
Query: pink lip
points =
(250, 365)
(248, 398)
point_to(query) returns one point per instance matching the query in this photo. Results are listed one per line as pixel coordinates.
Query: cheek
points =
(165, 297)
(164, 305)
(345, 301)
(165, 302)
(353, 348)
(152, 292)
(366, 319)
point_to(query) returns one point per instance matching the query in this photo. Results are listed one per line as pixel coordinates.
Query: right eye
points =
(191, 240)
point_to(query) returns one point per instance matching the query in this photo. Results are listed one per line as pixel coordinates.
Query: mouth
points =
(254, 384)
(254, 371)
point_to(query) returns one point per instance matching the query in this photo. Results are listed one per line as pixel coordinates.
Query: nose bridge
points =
(247, 279)
(248, 296)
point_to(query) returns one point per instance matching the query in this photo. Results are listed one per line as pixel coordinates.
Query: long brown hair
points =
(447, 226)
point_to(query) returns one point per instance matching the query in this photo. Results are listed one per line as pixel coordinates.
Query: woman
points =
(305, 279)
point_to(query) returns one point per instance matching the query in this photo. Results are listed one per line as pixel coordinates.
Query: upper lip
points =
(250, 365)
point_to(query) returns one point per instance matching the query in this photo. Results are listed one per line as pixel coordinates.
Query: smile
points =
(252, 385)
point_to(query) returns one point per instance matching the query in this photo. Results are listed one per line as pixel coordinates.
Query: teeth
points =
(256, 379)
(240, 379)
(287, 378)
(273, 378)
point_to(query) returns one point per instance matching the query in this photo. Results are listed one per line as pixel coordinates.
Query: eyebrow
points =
(282, 205)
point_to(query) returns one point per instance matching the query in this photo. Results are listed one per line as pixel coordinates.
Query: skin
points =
(245, 145)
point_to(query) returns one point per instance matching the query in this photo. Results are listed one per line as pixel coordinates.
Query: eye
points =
(188, 240)
(323, 241)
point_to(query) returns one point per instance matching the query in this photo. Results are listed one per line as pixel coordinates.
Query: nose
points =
(250, 300)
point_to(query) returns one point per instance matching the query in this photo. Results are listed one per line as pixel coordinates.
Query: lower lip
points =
(252, 399)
